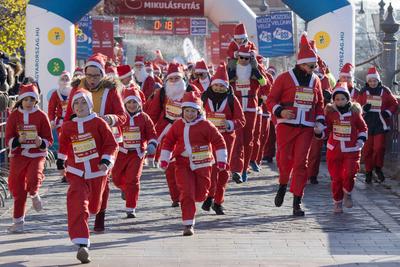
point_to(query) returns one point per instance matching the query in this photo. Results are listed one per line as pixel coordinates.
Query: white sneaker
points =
(37, 203)
(338, 207)
(347, 200)
(83, 255)
(16, 227)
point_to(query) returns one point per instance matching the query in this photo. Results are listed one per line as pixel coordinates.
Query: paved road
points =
(253, 233)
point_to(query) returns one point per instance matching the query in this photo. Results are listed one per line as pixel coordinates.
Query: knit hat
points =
(221, 76)
(240, 32)
(347, 70)
(28, 90)
(124, 71)
(373, 73)
(192, 100)
(306, 53)
(81, 92)
(341, 88)
(97, 60)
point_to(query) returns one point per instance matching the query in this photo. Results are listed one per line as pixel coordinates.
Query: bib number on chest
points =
(84, 147)
(218, 119)
(342, 130)
(304, 98)
(117, 134)
(173, 110)
(30, 131)
(201, 155)
(132, 137)
(376, 103)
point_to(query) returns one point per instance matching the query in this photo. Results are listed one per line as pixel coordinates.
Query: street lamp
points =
(361, 11)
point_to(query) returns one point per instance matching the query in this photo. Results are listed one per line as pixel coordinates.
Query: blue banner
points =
(275, 34)
(84, 41)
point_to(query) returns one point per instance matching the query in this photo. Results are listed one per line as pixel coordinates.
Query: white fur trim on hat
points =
(174, 74)
(132, 97)
(346, 74)
(374, 76)
(87, 97)
(191, 105)
(244, 54)
(200, 70)
(97, 65)
(307, 60)
(32, 94)
(240, 36)
(224, 83)
(126, 75)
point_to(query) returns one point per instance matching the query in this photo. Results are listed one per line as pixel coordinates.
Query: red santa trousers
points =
(126, 175)
(256, 140)
(314, 157)
(270, 147)
(265, 128)
(244, 144)
(170, 174)
(193, 187)
(293, 145)
(374, 152)
(343, 168)
(26, 176)
(219, 179)
(83, 198)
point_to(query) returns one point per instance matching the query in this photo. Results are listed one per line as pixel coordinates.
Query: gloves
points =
(253, 63)
(367, 107)
(385, 114)
(222, 166)
(318, 131)
(151, 149)
(163, 165)
(327, 96)
(60, 164)
(360, 143)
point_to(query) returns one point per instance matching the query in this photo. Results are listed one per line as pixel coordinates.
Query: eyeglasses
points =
(312, 66)
(92, 76)
(244, 58)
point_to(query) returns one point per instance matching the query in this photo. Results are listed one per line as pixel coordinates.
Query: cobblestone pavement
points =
(253, 233)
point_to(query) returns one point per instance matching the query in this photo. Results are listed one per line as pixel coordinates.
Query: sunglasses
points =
(244, 58)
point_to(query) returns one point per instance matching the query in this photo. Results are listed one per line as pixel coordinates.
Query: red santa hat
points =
(65, 73)
(271, 70)
(124, 71)
(139, 60)
(201, 66)
(260, 59)
(306, 53)
(28, 90)
(81, 92)
(321, 66)
(131, 94)
(149, 65)
(240, 32)
(244, 51)
(347, 70)
(78, 71)
(174, 69)
(221, 76)
(97, 60)
(156, 68)
(373, 74)
(341, 88)
(192, 100)
(313, 45)
(111, 71)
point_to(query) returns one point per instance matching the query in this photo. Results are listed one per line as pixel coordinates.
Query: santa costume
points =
(297, 103)
(192, 144)
(143, 79)
(240, 33)
(28, 136)
(202, 81)
(347, 75)
(125, 75)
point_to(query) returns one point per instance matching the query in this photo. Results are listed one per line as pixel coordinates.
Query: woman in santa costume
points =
(164, 108)
(224, 111)
(202, 80)
(379, 105)
(28, 135)
(139, 138)
(107, 104)
(297, 102)
(347, 132)
(143, 79)
(88, 146)
(192, 141)
(246, 80)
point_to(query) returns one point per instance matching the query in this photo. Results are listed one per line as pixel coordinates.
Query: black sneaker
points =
(219, 209)
(64, 180)
(368, 178)
(99, 222)
(280, 195)
(175, 204)
(123, 195)
(297, 211)
(313, 180)
(237, 178)
(131, 215)
(380, 175)
(207, 204)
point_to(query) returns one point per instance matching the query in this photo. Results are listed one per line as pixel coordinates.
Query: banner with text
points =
(84, 39)
(103, 36)
(226, 32)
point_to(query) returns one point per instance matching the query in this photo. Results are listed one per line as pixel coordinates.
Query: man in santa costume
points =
(347, 75)
(158, 79)
(297, 102)
(203, 77)
(143, 79)
(107, 104)
(246, 80)
(164, 108)
(223, 109)
(192, 140)
(125, 75)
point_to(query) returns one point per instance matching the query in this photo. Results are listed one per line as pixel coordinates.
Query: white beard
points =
(243, 73)
(205, 83)
(64, 88)
(141, 75)
(175, 91)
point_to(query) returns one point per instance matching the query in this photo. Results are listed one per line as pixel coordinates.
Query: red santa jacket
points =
(84, 142)
(137, 132)
(33, 123)
(309, 104)
(219, 114)
(345, 129)
(147, 86)
(200, 86)
(57, 108)
(234, 47)
(196, 140)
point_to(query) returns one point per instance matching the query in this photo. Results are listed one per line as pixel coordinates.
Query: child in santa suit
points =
(224, 111)
(379, 105)
(88, 146)
(347, 132)
(297, 103)
(139, 137)
(28, 136)
(191, 141)
(240, 38)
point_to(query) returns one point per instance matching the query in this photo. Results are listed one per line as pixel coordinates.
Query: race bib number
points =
(30, 131)
(117, 134)
(243, 87)
(132, 137)
(173, 110)
(201, 155)
(84, 147)
(218, 119)
(304, 98)
(342, 130)
(376, 103)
